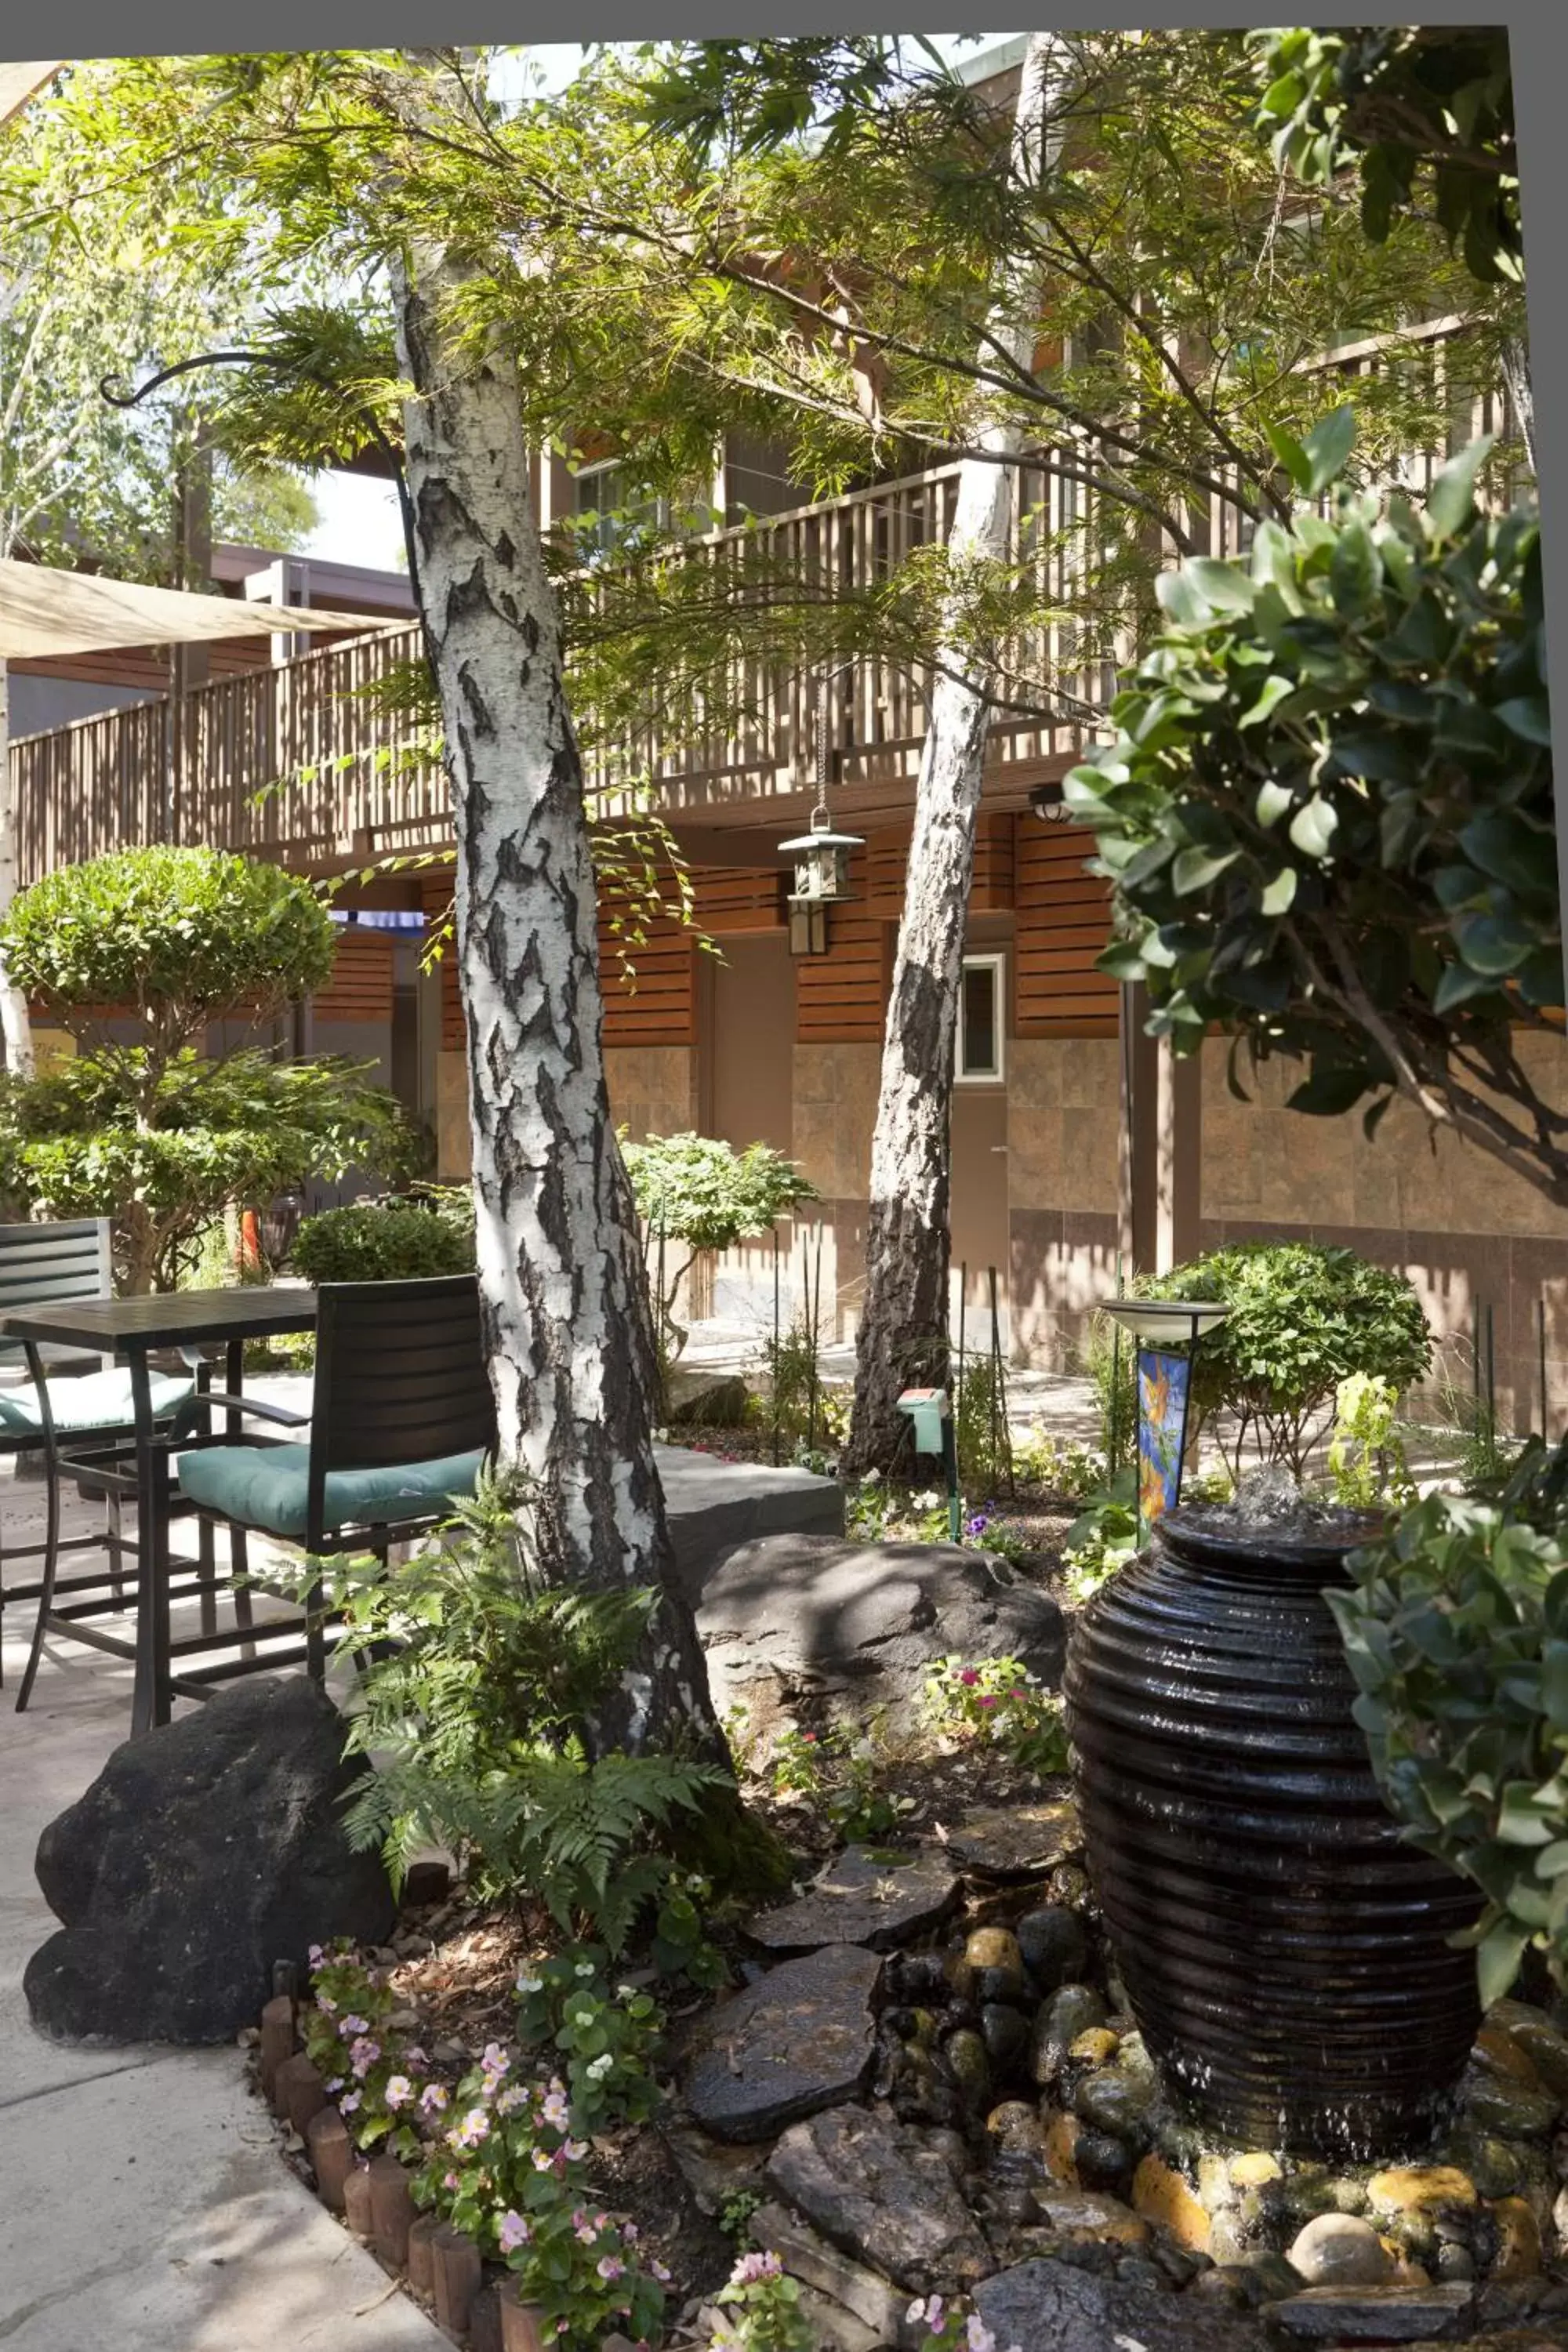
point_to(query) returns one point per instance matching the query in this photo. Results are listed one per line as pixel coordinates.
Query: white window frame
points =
(598, 470)
(995, 961)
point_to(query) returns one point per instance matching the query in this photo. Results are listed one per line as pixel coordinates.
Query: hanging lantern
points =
(821, 862)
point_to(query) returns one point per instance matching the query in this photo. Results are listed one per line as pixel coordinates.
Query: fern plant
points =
(476, 1681)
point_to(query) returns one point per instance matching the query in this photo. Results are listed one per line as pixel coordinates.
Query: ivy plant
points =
(1327, 813)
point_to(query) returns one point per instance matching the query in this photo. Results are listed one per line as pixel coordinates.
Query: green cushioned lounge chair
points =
(401, 1420)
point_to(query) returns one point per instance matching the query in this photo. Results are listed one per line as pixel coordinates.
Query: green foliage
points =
(182, 937)
(1104, 1538)
(1416, 106)
(759, 2309)
(1301, 1317)
(1366, 1457)
(997, 1701)
(980, 1426)
(1457, 1632)
(796, 1398)
(697, 1190)
(1328, 812)
(386, 1241)
(477, 1683)
(838, 1772)
(1063, 1466)
(164, 1145)
(607, 2043)
(1110, 1360)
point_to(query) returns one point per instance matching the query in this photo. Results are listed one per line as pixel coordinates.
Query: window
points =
(613, 516)
(981, 1023)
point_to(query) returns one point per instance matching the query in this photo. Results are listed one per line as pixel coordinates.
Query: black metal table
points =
(133, 1330)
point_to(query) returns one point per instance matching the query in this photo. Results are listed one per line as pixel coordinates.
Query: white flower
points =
(527, 1985)
(585, 1969)
(597, 2068)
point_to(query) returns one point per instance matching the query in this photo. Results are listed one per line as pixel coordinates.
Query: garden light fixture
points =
(1159, 1326)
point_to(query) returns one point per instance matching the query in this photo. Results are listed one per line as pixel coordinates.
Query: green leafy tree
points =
(1328, 816)
(147, 1129)
(1424, 114)
(699, 1191)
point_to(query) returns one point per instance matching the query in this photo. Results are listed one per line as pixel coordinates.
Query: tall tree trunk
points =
(565, 1310)
(13, 1025)
(1515, 357)
(903, 1333)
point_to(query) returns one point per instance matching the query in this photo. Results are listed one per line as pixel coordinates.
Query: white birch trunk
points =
(565, 1309)
(13, 1025)
(1515, 358)
(903, 1332)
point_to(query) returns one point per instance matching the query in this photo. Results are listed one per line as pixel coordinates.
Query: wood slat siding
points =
(1063, 923)
(739, 900)
(841, 998)
(361, 986)
(660, 1007)
(991, 891)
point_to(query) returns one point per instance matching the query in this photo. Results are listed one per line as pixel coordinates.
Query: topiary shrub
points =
(381, 1241)
(1301, 1318)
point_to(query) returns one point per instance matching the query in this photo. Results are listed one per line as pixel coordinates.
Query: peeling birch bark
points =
(902, 1339)
(566, 1308)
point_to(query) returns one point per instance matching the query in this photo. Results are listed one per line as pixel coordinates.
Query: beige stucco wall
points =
(834, 1112)
(653, 1088)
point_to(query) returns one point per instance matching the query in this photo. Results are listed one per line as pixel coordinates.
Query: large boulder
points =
(202, 1854)
(792, 1617)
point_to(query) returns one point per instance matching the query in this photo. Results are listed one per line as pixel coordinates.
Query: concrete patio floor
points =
(142, 2201)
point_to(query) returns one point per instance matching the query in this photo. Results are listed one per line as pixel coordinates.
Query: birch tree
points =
(908, 1243)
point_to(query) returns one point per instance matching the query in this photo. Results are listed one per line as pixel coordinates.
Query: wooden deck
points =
(299, 762)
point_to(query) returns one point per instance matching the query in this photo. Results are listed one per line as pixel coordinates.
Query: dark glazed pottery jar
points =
(1284, 1951)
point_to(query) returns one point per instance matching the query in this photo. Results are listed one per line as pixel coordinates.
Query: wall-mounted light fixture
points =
(1050, 805)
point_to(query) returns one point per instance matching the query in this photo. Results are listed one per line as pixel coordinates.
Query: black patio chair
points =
(402, 1421)
(66, 1402)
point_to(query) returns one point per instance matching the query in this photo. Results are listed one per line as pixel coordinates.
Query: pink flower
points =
(450, 2180)
(433, 2099)
(968, 1678)
(474, 2128)
(555, 2111)
(611, 2266)
(514, 2231)
(986, 1698)
(752, 2267)
(363, 2054)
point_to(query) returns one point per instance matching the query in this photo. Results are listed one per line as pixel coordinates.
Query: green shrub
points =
(1300, 1318)
(386, 1241)
(980, 1427)
(1457, 1632)
(703, 1194)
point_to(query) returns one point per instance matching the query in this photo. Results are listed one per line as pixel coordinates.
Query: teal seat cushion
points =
(87, 1400)
(265, 1486)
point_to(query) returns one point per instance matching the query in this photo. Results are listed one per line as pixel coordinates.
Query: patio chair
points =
(67, 1401)
(400, 1423)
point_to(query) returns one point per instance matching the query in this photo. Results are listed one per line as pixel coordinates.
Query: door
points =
(977, 1138)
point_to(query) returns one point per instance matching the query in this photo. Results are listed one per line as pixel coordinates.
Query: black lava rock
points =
(204, 1853)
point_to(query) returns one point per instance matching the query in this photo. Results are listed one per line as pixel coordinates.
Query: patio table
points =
(132, 1330)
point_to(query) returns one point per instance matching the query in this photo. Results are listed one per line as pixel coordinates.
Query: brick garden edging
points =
(438, 2267)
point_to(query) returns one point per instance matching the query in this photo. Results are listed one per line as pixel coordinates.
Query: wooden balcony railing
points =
(298, 760)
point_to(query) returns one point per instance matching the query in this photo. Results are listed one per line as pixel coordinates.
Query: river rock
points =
(1006, 2033)
(1545, 2048)
(1161, 2195)
(1436, 2190)
(880, 2195)
(1337, 2250)
(801, 2039)
(1072, 2010)
(864, 1897)
(1017, 1840)
(1509, 2109)
(1110, 2101)
(1078, 2216)
(1101, 2160)
(1373, 2315)
(202, 1854)
(864, 1624)
(1045, 2305)
(1054, 1946)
